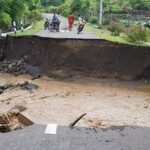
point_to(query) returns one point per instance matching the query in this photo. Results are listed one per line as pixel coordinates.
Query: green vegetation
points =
(137, 33)
(17, 10)
(52, 2)
(104, 34)
(5, 20)
(36, 27)
(94, 20)
(122, 20)
(115, 28)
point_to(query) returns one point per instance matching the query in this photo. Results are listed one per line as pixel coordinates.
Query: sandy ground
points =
(106, 102)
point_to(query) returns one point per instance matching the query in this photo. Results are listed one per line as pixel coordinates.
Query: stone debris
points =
(9, 122)
(33, 71)
(28, 86)
(24, 86)
(15, 67)
(5, 87)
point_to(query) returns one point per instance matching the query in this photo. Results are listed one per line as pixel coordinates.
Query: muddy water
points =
(106, 102)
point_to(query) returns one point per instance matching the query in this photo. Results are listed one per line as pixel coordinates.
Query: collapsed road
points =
(87, 57)
(117, 111)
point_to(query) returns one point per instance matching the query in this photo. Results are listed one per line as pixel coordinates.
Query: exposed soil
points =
(88, 57)
(72, 89)
(106, 102)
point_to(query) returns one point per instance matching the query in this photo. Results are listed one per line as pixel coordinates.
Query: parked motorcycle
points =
(46, 24)
(53, 26)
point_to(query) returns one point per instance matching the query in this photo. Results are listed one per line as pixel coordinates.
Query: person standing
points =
(71, 21)
(79, 18)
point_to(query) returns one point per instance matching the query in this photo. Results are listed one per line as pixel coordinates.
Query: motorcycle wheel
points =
(57, 28)
(79, 30)
(50, 28)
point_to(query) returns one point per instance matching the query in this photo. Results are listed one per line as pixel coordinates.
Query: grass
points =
(37, 26)
(106, 35)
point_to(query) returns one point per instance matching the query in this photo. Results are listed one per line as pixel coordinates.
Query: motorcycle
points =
(46, 24)
(81, 26)
(53, 26)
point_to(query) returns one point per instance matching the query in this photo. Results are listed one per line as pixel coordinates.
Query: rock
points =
(1, 91)
(33, 71)
(28, 86)
(16, 67)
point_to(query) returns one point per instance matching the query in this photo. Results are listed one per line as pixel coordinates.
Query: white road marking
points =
(51, 129)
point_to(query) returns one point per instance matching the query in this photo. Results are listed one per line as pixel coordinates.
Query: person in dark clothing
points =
(55, 20)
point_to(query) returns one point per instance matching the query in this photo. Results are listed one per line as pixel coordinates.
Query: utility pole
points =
(101, 12)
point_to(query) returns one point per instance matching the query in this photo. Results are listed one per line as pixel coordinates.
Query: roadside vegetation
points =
(123, 21)
(27, 11)
(35, 28)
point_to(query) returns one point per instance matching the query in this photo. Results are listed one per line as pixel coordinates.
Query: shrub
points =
(5, 20)
(137, 33)
(51, 9)
(116, 28)
(35, 15)
(64, 9)
(66, 12)
(106, 22)
(94, 20)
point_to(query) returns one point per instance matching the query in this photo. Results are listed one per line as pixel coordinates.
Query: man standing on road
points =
(71, 21)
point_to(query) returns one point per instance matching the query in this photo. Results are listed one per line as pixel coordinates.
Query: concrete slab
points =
(114, 138)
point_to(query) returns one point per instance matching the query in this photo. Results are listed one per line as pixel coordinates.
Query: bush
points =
(35, 15)
(106, 22)
(137, 33)
(5, 20)
(64, 9)
(116, 28)
(94, 20)
(66, 12)
(51, 9)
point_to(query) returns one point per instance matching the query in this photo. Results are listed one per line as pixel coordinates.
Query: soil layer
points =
(88, 57)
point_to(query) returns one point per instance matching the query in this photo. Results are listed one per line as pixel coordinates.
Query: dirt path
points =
(106, 102)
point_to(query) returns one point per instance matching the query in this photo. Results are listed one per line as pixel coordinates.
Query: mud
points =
(93, 58)
(72, 91)
(106, 102)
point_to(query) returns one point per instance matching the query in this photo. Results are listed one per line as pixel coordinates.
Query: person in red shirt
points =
(71, 20)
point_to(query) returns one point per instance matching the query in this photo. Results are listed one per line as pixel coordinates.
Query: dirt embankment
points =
(2, 47)
(98, 58)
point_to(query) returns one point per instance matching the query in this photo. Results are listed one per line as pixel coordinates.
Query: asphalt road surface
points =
(64, 32)
(65, 138)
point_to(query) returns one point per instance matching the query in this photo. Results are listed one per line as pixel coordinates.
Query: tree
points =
(76, 5)
(140, 4)
(80, 6)
(32, 4)
(18, 9)
(5, 20)
(5, 5)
